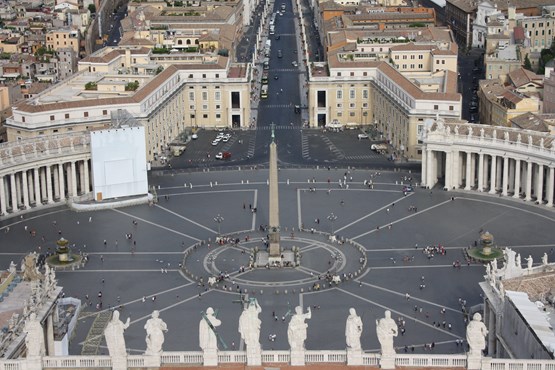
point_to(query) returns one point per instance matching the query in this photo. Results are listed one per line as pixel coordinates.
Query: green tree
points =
(90, 86)
(527, 63)
(92, 8)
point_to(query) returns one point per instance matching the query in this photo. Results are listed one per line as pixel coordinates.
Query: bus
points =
(265, 77)
(264, 92)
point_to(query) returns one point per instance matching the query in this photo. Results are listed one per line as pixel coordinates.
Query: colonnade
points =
(43, 184)
(459, 157)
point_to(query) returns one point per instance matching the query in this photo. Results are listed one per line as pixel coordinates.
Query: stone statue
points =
(114, 335)
(530, 140)
(29, 268)
(542, 144)
(386, 329)
(456, 130)
(207, 330)
(13, 268)
(353, 330)
(518, 261)
(476, 333)
(530, 261)
(482, 132)
(518, 139)
(155, 328)
(448, 130)
(510, 257)
(488, 272)
(34, 340)
(544, 260)
(494, 266)
(249, 326)
(296, 332)
(470, 132)
(506, 135)
(501, 290)
(494, 134)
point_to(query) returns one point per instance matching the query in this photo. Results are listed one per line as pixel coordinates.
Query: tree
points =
(527, 63)
(92, 8)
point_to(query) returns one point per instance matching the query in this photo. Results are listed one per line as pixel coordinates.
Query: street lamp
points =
(332, 217)
(218, 219)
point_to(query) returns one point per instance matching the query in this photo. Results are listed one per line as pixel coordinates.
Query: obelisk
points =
(273, 235)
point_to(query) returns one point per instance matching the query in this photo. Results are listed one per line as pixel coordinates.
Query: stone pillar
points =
(25, 189)
(493, 176)
(550, 182)
(119, 362)
(481, 172)
(539, 185)
(505, 185)
(81, 177)
(469, 177)
(254, 356)
(210, 357)
(56, 178)
(61, 181)
(456, 173)
(354, 357)
(274, 232)
(387, 362)
(50, 350)
(499, 177)
(529, 182)
(73, 180)
(512, 165)
(424, 165)
(430, 169)
(13, 193)
(42, 174)
(297, 358)
(3, 199)
(36, 180)
(485, 182)
(491, 332)
(49, 184)
(517, 179)
(448, 170)
(18, 194)
(86, 187)
(31, 186)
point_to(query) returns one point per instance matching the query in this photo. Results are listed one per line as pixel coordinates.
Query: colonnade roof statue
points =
(297, 329)
(114, 335)
(155, 328)
(249, 325)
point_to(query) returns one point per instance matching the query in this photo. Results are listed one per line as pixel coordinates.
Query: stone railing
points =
(280, 357)
(26, 152)
(506, 139)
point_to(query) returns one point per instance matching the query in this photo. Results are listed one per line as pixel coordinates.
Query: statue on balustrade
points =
(545, 262)
(34, 340)
(296, 332)
(353, 330)
(114, 335)
(530, 262)
(13, 268)
(207, 330)
(249, 326)
(155, 328)
(29, 268)
(476, 333)
(386, 329)
(518, 261)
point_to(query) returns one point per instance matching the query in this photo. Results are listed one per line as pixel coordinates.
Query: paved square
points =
(383, 253)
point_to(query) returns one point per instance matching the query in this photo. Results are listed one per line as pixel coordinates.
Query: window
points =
(352, 105)
(436, 107)
(191, 95)
(192, 116)
(85, 114)
(217, 95)
(365, 94)
(421, 56)
(217, 75)
(52, 118)
(437, 61)
(218, 116)
(412, 56)
(352, 114)
(218, 106)
(339, 105)
(205, 107)
(104, 112)
(339, 94)
(339, 114)
(191, 107)
(190, 76)
(66, 116)
(205, 115)
(338, 74)
(352, 94)
(396, 57)
(365, 74)
(365, 105)
(443, 62)
(412, 66)
(23, 119)
(204, 75)
(205, 95)
(451, 107)
(404, 57)
(352, 74)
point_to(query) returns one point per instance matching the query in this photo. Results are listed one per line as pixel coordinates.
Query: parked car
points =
(226, 138)
(362, 136)
(408, 189)
(194, 136)
(294, 63)
(223, 155)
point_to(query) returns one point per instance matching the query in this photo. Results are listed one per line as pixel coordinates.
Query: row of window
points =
(420, 56)
(217, 95)
(352, 94)
(67, 116)
(352, 105)
(205, 107)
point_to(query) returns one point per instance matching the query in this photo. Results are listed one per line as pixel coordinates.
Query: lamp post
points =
(332, 217)
(218, 219)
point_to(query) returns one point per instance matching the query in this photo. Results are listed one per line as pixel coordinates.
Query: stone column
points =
(50, 350)
(81, 176)
(13, 193)
(448, 170)
(18, 194)
(469, 176)
(505, 184)
(61, 181)
(297, 358)
(49, 184)
(550, 182)
(429, 169)
(512, 165)
(529, 182)
(456, 173)
(491, 332)
(3, 200)
(485, 182)
(481, 172)
(36, 180)
(424, 165)
(493, 176)
(86, 172)
(274, 225)
(42, 174)
(25, 189)
(517, 179)
(499, 178)
(30, 186)
(73, 180)
(56, 177)
(539, 185)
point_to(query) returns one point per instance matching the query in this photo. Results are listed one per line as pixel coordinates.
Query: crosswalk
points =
(338, 153)
(278, 106)
(279, 127)
(363, 157)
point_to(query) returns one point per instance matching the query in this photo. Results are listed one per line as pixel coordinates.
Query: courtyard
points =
(380, 256)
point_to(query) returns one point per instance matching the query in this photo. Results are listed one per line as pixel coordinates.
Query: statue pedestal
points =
(354, 357)
(254, 357)
(119, 363)
(33, 363)
(387, 362)
(210, 357)
(474, 362)
(152, 360)
(297, 358)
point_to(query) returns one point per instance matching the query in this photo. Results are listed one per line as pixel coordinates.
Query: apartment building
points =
(165, 98)
(63, 38)
(501, 100)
